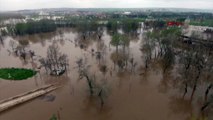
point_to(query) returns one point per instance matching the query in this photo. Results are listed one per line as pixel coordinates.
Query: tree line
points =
(32, 27)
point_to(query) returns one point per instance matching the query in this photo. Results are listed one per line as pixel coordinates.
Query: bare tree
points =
(55, 62)
(84, 73)
(168, 59)
(185, 62)
(133, 64)
(95, 89)
(198, 65)
(208, 70)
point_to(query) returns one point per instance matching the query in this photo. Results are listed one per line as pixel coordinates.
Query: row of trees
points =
(194, 63)
(85, 26)
(33, 27)
(129, 26)
(120, 40)
(156, 24)
(159, 45)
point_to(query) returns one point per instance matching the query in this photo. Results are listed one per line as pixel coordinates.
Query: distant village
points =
(146, 15)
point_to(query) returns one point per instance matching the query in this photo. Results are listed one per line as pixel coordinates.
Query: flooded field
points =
(129, 94)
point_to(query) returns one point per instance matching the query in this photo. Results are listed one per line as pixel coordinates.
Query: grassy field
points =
(202, 23)
(16, 73)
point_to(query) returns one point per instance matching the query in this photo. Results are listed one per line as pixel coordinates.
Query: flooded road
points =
(130, 95)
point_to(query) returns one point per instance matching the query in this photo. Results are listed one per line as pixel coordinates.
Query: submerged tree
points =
(159, 45)
(55, 63)
(168, 59)
(130, 26)
(198, 64)
(207, 103)
(133, 64)
(120, 59)
(124, 41)
(112, 26)
(83, 70)
(95, 89)
(120, 39)
(116, 40)
(192, 64)
(1, 40)
(186, 59)
(32, 27)
(208, 72)
(147, 49)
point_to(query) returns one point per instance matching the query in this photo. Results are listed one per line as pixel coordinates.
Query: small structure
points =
(127, 13)
(208, 30)
(173, 23)
(58, 72)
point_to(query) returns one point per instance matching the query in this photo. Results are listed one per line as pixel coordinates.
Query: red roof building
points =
(173, 23)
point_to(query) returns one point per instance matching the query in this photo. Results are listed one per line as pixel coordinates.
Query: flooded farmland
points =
(130, 93)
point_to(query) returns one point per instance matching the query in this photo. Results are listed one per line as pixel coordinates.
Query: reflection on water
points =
(132, 93)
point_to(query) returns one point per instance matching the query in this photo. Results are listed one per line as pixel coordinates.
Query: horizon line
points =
(106, 8)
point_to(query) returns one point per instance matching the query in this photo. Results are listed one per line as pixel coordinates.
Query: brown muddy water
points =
(135, 95)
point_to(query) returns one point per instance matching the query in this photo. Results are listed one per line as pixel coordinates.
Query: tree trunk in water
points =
(146, 62)
(59, 116)
(124, 48)
(1, 41)
(116, 49)
(155, 53)
(205, 106)
(164, 70)
(101, 98)
(160, 52)
(207, 91)
(126, 64)
(90, 85)
(195, 85)
(46, 69)
(114, 65)
(193, 91)
(186, 86)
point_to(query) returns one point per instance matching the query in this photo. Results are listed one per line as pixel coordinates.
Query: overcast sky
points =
(34, 4)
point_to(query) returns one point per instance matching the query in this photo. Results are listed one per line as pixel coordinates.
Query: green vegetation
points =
(119, 39)
(160, 45)
(155, 23)
(112, 25)
(116, 40)
(130, 25)
(53, 117)
(82, 24)
(35, 27)
(16, 73)
(202, 23)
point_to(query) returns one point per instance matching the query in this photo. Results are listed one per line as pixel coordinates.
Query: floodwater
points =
(137, 95)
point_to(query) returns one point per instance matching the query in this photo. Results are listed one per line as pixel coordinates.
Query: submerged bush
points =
(53, 117)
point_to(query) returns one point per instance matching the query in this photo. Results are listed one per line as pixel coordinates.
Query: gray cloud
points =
(34, 4)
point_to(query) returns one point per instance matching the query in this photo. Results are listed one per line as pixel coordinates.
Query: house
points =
(173, 23)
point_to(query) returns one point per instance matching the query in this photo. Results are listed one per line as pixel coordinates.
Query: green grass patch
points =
(16, 73)
(53, 117)
(202, 23)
